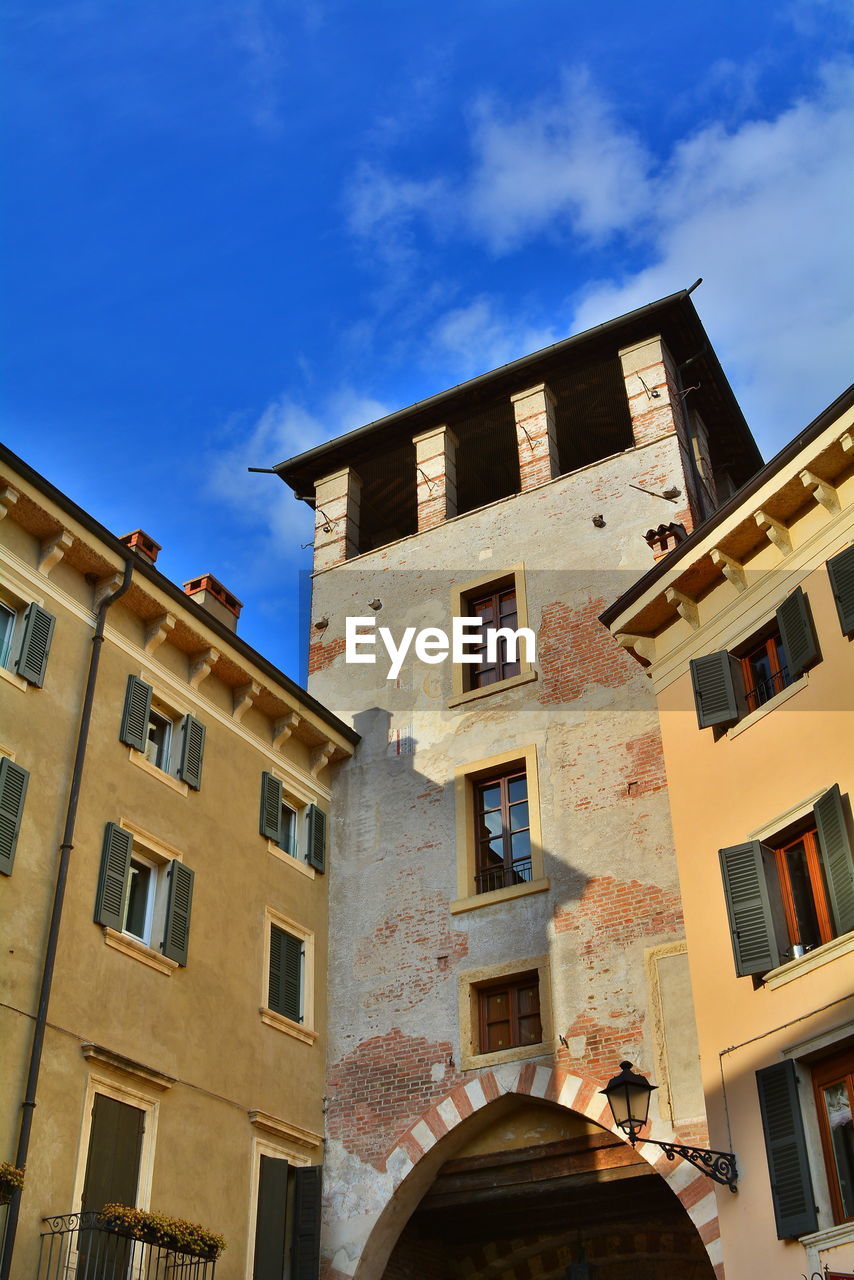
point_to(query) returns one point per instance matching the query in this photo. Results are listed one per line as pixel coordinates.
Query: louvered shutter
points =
(718, 689)
(316, 853)
(841, 572)
(285, 978)
(786, 1149)
(13, 789)
(754, 907)
(176, 931)
(794, 618)
(134, 730)
(114, 877)
(192, 752)
(35, 644)
(271, 1220)
(271, 807)
(837, 857)
(307, 1203)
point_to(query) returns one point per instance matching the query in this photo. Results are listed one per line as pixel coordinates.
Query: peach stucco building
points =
(746, 631)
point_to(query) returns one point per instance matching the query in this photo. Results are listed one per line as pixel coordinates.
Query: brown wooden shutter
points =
(13, 789)
(754, 906)
(307, 1205)
(786, 1150)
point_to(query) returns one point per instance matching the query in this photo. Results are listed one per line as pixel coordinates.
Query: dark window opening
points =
(800, 867)
(389, 506)
(765, 671)
(502, 831)
(833, 1080)
(592, 418)
(509, 1013)
(496, 610)
(487, 459)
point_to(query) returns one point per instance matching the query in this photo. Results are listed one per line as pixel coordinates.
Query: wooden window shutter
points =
(114, 877)
(271, 806)
(13, 789)
(176, 932)
(134, 730)
(271, 1220)
(841, 572)
(307, 1200)
(35, 644)
(794, 618)
(192, 752)
(285, 977)
(718, 689)
(786, 1149)
(316, 856)
(838, 861)
(754, 907)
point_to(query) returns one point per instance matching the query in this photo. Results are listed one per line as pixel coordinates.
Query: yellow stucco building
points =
(175, 1049)
(746, 629)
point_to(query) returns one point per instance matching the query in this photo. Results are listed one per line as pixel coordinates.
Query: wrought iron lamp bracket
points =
(720, 1166)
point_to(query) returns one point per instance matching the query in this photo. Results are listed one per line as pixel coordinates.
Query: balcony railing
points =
(500, 877)
(764, 690)
(78, 1246)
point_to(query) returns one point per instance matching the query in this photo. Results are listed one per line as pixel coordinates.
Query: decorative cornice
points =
(283, 1129)
(117, 1062)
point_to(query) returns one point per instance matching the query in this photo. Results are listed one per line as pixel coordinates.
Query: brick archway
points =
(576, 1093)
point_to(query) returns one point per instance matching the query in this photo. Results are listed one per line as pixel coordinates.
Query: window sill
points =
(471, 695)
(500, 895)
(771, 705)
(18, 681)
(475, 1061)
(792, 969)
(288, 858)
(288, 1026)
(140, 761)
(139, 951)
(829, 1238)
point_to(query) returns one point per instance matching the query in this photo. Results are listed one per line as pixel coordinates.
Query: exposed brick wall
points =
(605, 1043)
(320, 655)
(412, 950)
(646, 764)
(382, 1087)
(575, 651)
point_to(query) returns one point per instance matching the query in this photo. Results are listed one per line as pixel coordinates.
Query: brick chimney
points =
(209, 592)
(665, 538)
(142, 544)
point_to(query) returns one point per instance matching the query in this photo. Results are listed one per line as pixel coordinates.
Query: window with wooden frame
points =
(764, 670)
(499, 602)
(833, 1081)
(496, 609)
(803, 884)
(502, 831)
(509, 1013)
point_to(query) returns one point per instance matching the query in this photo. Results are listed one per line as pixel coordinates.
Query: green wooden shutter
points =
(838, 860)
(786, 1149)
(307, 1205)
(271, 807)
(754, 907)
(286, 978)
(794, 618)
(718, 689)
(13, 789)
(114, 877)
(271, 1220)
(176, 932)
(192, 752)
(841, 572)
(35, 644)
(134, 730)
(316, 853)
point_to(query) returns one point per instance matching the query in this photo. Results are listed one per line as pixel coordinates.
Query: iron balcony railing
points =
(499, 877)
(764, 690)
(78, 1246)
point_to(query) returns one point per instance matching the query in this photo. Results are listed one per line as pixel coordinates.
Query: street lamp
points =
(628, 1096)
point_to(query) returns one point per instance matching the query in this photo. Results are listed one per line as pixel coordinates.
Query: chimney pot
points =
(142, 544)
(209, 592)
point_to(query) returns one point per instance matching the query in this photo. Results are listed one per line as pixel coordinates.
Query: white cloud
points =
(477, 337)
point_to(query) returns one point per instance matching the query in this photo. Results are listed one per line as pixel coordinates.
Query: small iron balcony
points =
(78, 1246)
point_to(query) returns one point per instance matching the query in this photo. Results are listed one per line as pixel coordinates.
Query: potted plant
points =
(11, 1178)
(158, 1229)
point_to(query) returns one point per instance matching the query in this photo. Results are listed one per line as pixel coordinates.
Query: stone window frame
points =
(470, 984)
(461, 594)
(464, 779)
(306, 1030)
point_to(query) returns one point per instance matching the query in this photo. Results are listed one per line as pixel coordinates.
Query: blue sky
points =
(233, 230)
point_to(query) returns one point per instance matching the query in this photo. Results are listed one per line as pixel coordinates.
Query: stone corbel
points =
(156, 631)
(732, 570)
(775, 531)
(685, 606)
(8, 498)
(244, 697)
(53, 549)
(284, 727)
(320, 757)
(847, 442)
(644, 646)
(202, 664)
(824, 492)
(105, 587)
